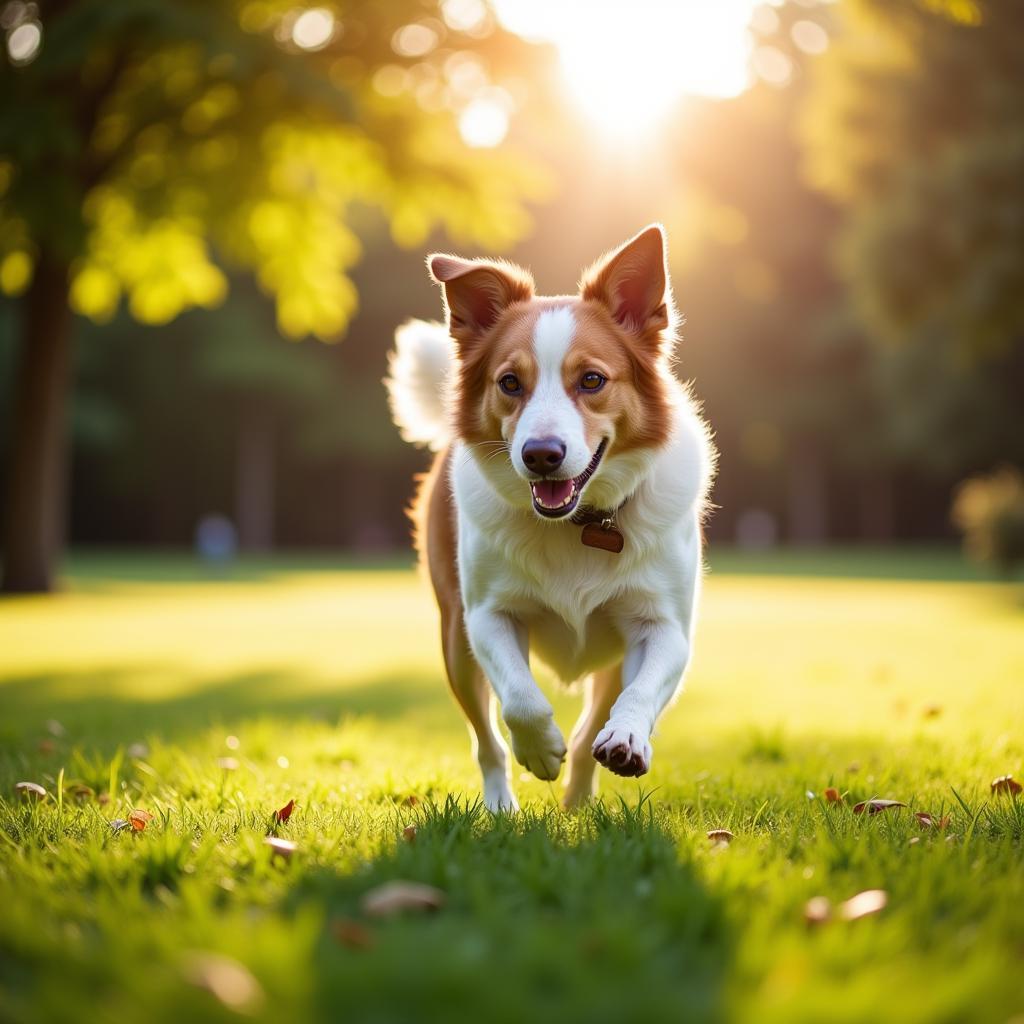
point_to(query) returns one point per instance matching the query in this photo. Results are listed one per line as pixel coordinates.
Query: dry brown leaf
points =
(396, 897)
(139, 818)
(409, 833)
(833, 796)
(817, 910)
(283, 848)
(351, 933)
(228, 981)
(1006, 784)
(926, 820)
(864, 903)
(30, 790)
(721, 835)
(875, 806)
(410, 801)
(285, 812)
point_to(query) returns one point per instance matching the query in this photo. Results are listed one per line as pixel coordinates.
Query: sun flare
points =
(627, 65)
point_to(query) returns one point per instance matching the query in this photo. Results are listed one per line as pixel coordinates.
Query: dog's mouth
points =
(556, 499)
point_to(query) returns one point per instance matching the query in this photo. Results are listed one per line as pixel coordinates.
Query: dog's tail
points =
(419, 370)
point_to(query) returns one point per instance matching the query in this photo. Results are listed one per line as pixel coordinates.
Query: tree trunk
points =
(807, 497)
(877, 507)
(254, 478)
(36, 485)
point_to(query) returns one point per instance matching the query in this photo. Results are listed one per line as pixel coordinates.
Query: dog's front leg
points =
(656, 657)
(499, 643)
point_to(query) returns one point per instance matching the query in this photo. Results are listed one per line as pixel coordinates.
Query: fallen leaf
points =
(351, 933)
(229, 764)
(863, 904)
(875, 806)
(285, 812)
(396, 897)
(29, 790)
(926, 820)
(410, 801)
(833, 796)
(139, 818)
(817, 910)
(283, 848)
(409, 833)
(720, 835)
(1006, 784)
(228, 981)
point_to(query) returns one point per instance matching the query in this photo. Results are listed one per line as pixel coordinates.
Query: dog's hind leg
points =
(476, 699)
(601, 690)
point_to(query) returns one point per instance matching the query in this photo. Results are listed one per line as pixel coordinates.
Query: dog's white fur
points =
(531, 586)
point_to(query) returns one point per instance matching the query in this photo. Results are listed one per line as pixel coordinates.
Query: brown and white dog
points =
(562, 514)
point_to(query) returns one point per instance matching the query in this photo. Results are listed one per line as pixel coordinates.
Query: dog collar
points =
(600, 528)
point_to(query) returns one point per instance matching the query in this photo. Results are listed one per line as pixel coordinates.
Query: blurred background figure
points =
(213, 215)
(216, 540)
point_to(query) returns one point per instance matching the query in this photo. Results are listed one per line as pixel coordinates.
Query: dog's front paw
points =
(537, 744)
(623, 750)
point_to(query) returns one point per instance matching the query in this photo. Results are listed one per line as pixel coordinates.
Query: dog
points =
(563, 513)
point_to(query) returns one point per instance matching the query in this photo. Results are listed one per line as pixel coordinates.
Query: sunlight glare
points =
(484, 122)
(313, 29)
(629, 64)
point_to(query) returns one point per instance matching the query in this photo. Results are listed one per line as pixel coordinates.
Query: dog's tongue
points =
(552, 493)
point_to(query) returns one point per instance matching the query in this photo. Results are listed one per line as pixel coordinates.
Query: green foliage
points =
(155, 145)
(914, 125)
(625, 910)
(990, 512)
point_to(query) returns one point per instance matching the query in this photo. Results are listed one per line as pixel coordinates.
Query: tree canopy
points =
(914, 126)
(153, 146)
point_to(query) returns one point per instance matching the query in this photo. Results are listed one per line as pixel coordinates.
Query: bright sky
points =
(629, 61)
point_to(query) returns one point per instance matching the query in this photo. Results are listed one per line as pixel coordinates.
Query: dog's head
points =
(562, 399)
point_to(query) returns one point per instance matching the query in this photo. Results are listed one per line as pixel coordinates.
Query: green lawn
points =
(211, 702)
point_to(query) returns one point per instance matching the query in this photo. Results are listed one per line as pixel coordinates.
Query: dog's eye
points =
(510, 384)
(592, 381)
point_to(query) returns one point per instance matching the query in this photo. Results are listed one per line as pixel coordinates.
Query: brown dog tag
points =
(605, 537)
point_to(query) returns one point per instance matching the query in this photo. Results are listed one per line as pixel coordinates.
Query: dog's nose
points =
(543, 454)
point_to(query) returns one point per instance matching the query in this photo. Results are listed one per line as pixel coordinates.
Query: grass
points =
(212, 702)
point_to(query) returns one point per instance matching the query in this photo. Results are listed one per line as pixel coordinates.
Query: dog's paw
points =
(622, 750)
(538, 745)
(498, 795)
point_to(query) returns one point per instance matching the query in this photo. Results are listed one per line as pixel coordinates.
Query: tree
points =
(915, 127)
(147, 146)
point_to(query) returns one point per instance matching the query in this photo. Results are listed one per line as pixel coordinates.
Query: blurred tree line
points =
(846, 239)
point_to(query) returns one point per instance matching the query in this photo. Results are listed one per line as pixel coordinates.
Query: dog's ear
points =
(477, 292)
(632, 282)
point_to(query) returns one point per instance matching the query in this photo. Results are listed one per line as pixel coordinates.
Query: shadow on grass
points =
(593, 917)
(96, 708)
